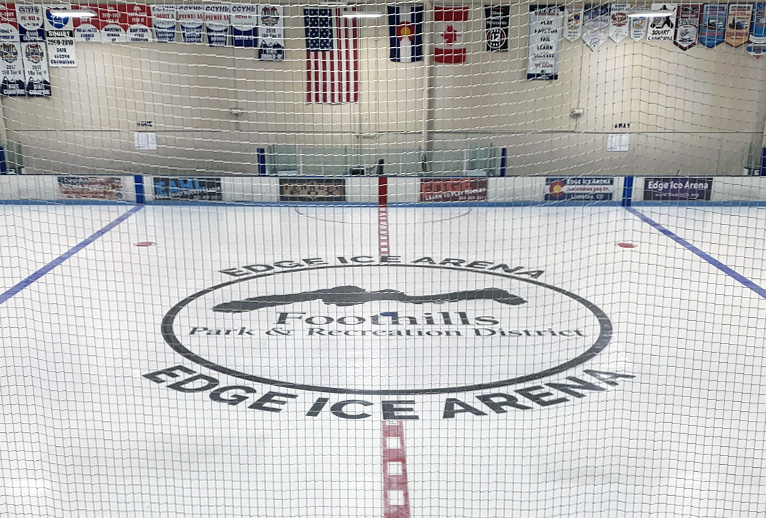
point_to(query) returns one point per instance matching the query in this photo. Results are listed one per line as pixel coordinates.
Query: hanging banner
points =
(217, 19)
(30, 20)
(9, 26)
(496, 28)
(618, 28)
(574, 15)
(405, 33)
(638, 25)
(687, 25)
(449, 27)
(139, 23)
(713, 29)
(271, 30)
(546, 25)
(191, 18)
(36, 77)
(12, 70)
(596, 26)
(164, 23)
(738, 24)
(662, 28)
(114, 23)
(86, 29)
(757, 48)
(59, 34)
(244, 25)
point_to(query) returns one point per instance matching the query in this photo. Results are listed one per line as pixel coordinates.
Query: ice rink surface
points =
(540, 369)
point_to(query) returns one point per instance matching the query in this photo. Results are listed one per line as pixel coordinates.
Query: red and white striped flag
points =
(449, 23)
(332, 56)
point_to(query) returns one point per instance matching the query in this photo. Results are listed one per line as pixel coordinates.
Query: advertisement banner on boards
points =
(244, 25)
(164, 23)
(217, 20)
(271, 29)
(440, 190)
(713, 28)
(677, 189)
(91, 187)
(177, 188)
(191, 18)
(546, 25)
(321, 190)
(583, 189)
(496, 27)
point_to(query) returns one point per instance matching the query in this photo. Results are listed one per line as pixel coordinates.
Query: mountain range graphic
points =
(354, 295)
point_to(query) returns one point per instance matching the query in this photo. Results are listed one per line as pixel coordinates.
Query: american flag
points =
(332, 52)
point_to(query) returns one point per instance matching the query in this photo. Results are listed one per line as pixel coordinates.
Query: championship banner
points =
(713, 28)
(758, 31)
(596, 26)
(496, 28)
(59, 34)
(320, 190)
(738, 24)
(405, 33)
(574, 16)
(453, 189)
(687, 25)
(87, 30)
(174, 188)
(9, 26)
(449, 27)
(139, 23)
(12, 70)
(114, 23)
(546, 25)
(91, 187)
(217, 20)
(36, 77)
(662, 28)
(618, 28)
(191, 18)
(164, 23)
(582, 189)
(272, 32)
(244, 25)
(677, 189)
(30, 20)
(638, 25)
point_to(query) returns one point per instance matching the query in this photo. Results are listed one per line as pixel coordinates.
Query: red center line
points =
(396, 494)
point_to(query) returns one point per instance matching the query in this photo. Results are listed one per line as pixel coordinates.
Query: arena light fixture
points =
(68, 13)
(650, 14)
(362, 14)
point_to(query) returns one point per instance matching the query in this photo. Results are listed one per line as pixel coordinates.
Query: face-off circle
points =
(387, 329)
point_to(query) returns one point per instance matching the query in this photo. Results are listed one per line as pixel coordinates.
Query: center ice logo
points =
(382, 326)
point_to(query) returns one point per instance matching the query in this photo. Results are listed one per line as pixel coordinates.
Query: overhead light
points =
(362, 14)
(650, 14)
(73, 14)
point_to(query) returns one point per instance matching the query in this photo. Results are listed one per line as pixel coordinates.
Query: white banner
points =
(596, 26)
(217, 20)
(191, 19)
(272, 33)
(59, 35)
(574, 14)
(164, 23)
(662, 28)
(30, 18)
(12, 69)
(546, 25)
(618, 29)
(36, 77)
(114, 23)
(244, 25)
(638, 25)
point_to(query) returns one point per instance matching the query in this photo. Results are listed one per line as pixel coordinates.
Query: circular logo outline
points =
(604, 337)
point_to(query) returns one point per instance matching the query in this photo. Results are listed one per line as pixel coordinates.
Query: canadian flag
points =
(449, 25)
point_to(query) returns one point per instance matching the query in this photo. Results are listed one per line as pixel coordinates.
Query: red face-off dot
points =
(626, 245)
(145, 243)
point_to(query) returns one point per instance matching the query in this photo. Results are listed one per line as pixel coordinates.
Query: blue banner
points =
(713, 28)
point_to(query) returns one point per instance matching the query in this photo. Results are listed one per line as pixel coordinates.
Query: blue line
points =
(140, 194)
(699, 253)
(503, 161)
(66, 255)
(627, 191)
